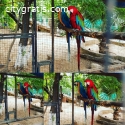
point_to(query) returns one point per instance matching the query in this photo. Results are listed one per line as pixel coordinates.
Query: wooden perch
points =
(34, 96)
(99, 35)
(102, 103)
(36, 108)
(9, 93)
(100, 59)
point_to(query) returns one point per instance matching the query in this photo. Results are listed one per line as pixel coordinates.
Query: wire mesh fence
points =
(59, 56)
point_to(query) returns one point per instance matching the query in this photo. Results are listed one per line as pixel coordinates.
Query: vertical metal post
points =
(72, 98)
(58, 105)
(33, 55)
(123, 92)
(110, 6)
(52, 4)
(6, 102)
(35, 39)
(15, 113)
(1, 88)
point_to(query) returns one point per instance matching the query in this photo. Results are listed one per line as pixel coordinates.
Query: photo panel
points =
(75, 95)
(21, 99)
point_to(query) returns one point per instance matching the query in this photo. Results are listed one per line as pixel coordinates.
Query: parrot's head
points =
(60, 9)
(89, 83)
(73, 9)
(76, 83)
(57, 9)
(26, 85)
(19, 84)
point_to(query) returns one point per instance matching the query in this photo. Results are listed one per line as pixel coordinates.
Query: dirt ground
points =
(65, 116)
(79, 119)
(61, 62)
(21, 113)
(44, 46)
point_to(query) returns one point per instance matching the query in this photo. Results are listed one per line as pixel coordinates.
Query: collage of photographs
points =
(62, 62)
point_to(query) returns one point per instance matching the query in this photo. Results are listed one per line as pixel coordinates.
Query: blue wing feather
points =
(84, 94)
(65, 19)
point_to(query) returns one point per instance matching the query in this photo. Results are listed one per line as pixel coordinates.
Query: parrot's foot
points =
(75, 30)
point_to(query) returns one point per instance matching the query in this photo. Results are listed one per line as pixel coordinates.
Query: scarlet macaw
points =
(22, 91)
(77, 22)
(27, 86)
(64, 20)
(82, 92)
(92, 93)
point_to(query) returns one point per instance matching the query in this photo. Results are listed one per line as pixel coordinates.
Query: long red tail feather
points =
(92, 115)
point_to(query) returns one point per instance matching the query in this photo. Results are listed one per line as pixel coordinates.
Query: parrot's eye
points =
(76, 84)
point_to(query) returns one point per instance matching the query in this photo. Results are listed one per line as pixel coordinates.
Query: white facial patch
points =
(68, 12)
(71, 10)
(88, 83)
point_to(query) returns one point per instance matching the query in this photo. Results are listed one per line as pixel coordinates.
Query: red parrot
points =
(92, 93)
(77, 22)
(27, 86)
(22, 91)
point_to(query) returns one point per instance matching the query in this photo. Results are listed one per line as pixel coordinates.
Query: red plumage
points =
(26, 86)
(90, 85)
(74, 15)
(92, 93)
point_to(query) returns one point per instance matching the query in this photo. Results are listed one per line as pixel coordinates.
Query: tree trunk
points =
(52, 115)
(56, 91)
(24, 51)
(1, 93)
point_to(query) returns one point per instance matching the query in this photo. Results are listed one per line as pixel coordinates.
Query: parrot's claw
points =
(75, 30)
(90, 101)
